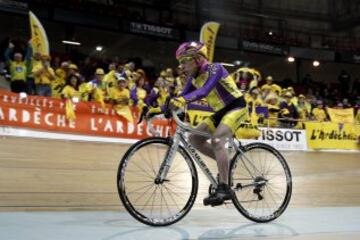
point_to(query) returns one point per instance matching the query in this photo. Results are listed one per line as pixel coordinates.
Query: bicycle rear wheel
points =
(147, 200)
(262, 182)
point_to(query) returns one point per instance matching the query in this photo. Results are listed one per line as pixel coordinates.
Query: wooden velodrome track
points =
(37, 174)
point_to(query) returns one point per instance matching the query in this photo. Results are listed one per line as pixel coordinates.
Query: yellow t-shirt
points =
(273, 114)
(117, 94)
(33, 63)
(43, 78)
(70, 92)
(17, 71)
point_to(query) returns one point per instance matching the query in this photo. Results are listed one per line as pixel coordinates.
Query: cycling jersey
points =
(214, 83)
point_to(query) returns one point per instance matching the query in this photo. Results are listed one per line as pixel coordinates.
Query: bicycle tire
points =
(287, 196)
(121, 177)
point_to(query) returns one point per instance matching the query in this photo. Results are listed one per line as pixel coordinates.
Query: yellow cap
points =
(288, 94)
(163, 74)
(269, 78)
(99, 71)
(73, 66)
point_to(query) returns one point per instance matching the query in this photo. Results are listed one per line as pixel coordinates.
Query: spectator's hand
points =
(11, 45)
(176, 103)
(30, 42)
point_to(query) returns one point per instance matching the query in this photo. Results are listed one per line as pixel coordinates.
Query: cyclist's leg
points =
(200, 142)
(226, 129)
(218, 140)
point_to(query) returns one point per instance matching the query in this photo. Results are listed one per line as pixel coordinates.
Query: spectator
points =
(43, 75)
(288, 112)
(318, 113)
(269, 82)
(73, 69)
(169, 77)
(60, 80)
(138, 93)
(158, 94)
(119, 96)
(71, 89)
(18, 69)
(272, 101)
(98, 81)
(110, 78)
(304, 109)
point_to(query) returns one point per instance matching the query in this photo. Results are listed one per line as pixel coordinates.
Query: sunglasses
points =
(184, 60)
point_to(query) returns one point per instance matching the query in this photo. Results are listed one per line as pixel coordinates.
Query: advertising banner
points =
(155, 30)
(48, 114)
(332, 136)
(282, 139)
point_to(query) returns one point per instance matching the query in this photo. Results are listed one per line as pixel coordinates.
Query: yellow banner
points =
(39, 40)
(341, 115)
(332, 135)
(208, 37)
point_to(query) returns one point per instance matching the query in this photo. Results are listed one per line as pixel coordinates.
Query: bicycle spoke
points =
(263, 162)
(149, 201)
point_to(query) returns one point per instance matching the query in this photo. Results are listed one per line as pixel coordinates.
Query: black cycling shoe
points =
(222, 193)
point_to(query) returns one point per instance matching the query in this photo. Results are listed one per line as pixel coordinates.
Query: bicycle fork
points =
(169, 157)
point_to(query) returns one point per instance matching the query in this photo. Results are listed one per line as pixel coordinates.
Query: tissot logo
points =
(278, 135)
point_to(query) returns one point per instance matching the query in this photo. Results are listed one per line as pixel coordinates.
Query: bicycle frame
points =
(178, 138)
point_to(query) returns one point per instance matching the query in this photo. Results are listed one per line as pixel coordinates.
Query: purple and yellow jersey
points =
(214, 83)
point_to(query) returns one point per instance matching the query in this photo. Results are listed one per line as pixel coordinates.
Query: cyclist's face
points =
(188, 66)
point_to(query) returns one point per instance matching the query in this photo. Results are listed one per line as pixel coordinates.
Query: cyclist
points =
(213, 82)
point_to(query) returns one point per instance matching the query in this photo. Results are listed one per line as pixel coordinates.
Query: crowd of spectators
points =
(270, 102)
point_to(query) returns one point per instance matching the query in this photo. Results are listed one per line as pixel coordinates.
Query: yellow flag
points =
(69, 110)
(98, 97)
(39, 40)
(208, 36)
(125, 112)
(341, 115)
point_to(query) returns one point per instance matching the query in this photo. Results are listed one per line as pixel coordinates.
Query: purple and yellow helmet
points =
(191, 49)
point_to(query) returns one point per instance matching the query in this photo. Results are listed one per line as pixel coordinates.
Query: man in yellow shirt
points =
(60, 79)
(120, 96)
(110, 78)
(268, 84)
(43, 75)
(318, 112)
(17, 70)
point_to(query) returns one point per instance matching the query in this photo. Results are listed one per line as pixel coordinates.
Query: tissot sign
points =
(283, 139)
(155, 30)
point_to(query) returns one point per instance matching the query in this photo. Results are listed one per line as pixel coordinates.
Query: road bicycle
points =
(158, 182)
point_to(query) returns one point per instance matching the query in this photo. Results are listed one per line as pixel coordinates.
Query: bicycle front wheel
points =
(262, 182)
(147, 200)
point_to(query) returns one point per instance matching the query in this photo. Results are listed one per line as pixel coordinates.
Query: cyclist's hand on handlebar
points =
(152, 112)
(176, 103)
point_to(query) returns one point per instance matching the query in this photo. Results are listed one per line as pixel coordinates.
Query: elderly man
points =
(18, 69)
(43, 75)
